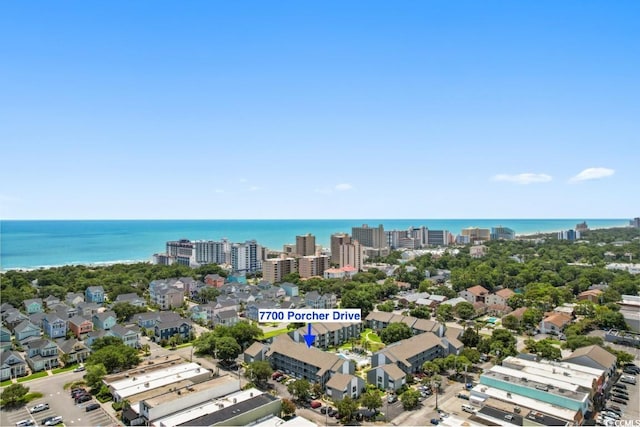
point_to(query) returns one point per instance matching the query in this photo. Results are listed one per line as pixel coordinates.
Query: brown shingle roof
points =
(558, 319)
(505, 293)
(478, 290)
(596, 353)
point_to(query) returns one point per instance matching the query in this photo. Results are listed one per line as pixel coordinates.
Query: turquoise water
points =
(31, 244)
(492, 320)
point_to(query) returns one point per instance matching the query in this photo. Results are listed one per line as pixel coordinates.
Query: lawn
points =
(33, 376)
(277, 332)
(65, 369)
(374, 343)
(5, 383)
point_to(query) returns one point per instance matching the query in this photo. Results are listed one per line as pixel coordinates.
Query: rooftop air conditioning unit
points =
(146, 384)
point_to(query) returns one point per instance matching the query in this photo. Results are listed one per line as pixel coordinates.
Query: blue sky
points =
(357, 109)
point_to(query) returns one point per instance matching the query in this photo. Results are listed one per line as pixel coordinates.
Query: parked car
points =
(614, 408)
(92, 407)
(54, 421)
(392, 398)
(463, 396)
(46, 420)
(79, 368)
(508, 417)
(618, 400)
(39, 408)
(83, 398)
(620, 386)
(620, 396)
(435, 421)
(25, 423)
(315, 404)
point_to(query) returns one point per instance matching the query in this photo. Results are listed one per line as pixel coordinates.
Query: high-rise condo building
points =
(337, 240)
(212, 252)
(351, 254)
(246, 257)
(312, 265)
(370, 237)
(306, 245)
(275, 269)
(476, 234)
(502, 233)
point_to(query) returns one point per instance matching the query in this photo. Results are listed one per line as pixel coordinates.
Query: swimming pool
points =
(492, 320)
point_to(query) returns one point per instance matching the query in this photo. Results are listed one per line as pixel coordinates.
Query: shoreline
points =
(148, 260)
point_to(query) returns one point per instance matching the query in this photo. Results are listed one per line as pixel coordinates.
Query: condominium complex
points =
(246, 257)
(370, 237)
(351, 254)
(212, 252)
(502, 233)
(274, 270)
(475, 234)
(309, 266)
(306, 245)
(338, 240)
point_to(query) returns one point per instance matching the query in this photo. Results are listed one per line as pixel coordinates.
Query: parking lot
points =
(630, 410)
(63, 405)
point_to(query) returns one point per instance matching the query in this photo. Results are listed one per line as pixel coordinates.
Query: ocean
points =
(45, 243)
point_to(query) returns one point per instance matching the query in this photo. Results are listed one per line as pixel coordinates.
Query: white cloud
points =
(592, 173)
(343, 187)
(523, 178)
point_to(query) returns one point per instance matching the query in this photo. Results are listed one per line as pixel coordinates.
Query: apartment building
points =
(337, 240)
(274, 270)
(409, 354)
(312, 265)
(246, 257)
(351, 254)
(306, 245)
(370, 237)
(329, 334)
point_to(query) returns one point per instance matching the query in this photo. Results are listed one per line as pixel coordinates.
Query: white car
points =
(25, 423)
(54, 421)
(39, 408)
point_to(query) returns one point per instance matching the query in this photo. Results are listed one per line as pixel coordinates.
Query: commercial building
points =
(475, 234)
(182, 251)
(502, 233)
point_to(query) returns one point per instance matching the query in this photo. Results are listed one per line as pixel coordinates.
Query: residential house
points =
(25, 330)
(438, 299)
(87, 309)
(5, 307)
(53, 326)
(592, 295)
(264, 285)
(131, 298)
(475, 294)
(51, 300)
(555, 323)
(253, 308)
(150, 319)
(168, 298)
(199, 313)
(74, 298)
(129, 336)
(166, 329)
(478, 251)
(329, 334)
(300, 361)
(290, 289)
(105, 320)
(65, 311)
(92, 336)
(13, 318)
(37, 318)
(317, 301)
(340, 386)
(33, 305)
(5, 339)
(94, 294)
(255, 352)
(386, 377)
(226, 318)
(80, 325)
(594, 356)
(411, 353)
(42, 354)
(76, 351)
(12, 365)
(518, 313)
(214, 280)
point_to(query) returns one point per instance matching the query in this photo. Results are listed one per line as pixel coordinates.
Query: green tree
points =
(288, 407)
(245, 333)
(94, 376)
(299, 389)
(386, 306)
(444, 313)
(208, 294)
(410, 399)
(464, 310)
(227, 348)
(531, 318)
(511, 322)
(14, 395)
(259, 371)
(471, 354)
(371, 400)
(470, 338)
(430, 368)
(205, 344)
(114, 357)
(358, 299)
(347, 408)
(125, 311)
(421, 312)
(395, 332)
(107, 341)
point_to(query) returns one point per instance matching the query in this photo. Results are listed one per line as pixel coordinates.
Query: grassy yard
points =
(5, 383)
(277, 332)
(374, 343)
(65, 369)
(33, 376)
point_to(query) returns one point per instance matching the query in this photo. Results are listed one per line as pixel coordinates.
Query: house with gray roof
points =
(12, 365)
(315, 300)
(329, 334)
(129, 336)
(74, 298)
(340, 386)
(87, 309)
(226, 318)
(5, 339)
(33, 305)
(13, 318)
(255, 352)
(51, 300)
(26, 329)
(105, 320)
(54, 326)
(77, 350)
(42, 354)
(386, 377)
(131, 298)
(94, 294)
